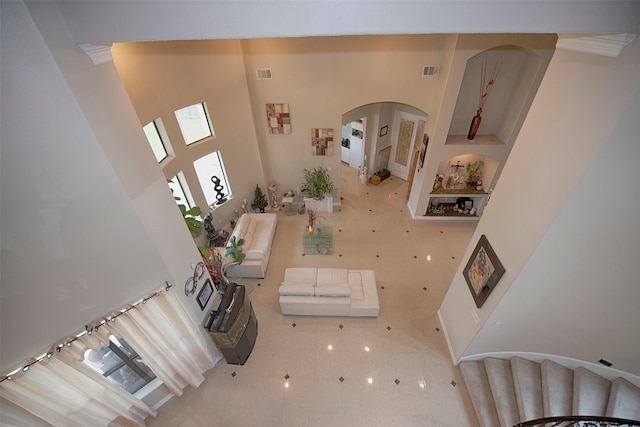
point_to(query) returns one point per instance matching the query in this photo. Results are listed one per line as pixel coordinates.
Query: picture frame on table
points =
(483, 271)
(205, 294)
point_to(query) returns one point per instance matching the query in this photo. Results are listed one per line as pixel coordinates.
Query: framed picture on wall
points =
(204, 294)
(322, 142)
(278, 118)
(483, 271)
(383, 130)
(423, 150)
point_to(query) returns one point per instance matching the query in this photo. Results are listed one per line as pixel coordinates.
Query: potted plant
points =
(234, 248)
(474, 171)
(318, 182)
(313, 218)
(259, 200)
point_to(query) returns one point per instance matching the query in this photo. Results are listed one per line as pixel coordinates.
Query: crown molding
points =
(98, 52)
(601, 44)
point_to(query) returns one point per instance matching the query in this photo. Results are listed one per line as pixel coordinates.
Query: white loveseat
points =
(257, 230)
(329, 292)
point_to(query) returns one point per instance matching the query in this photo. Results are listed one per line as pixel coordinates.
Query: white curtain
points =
(63, 391)
(176, 349)
(63, 396)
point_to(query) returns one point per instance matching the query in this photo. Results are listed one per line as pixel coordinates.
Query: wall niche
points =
(508, 100)
(456, 192)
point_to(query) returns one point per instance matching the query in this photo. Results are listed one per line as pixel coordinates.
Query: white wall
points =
(561, 252)
(460, 50)
(91, 22)
(85, 226)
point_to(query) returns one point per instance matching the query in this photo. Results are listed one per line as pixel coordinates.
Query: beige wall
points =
(567, 289)
(319, 78)
(161, 77)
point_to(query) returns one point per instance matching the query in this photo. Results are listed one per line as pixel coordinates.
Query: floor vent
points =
(263, 73)
(430, 71)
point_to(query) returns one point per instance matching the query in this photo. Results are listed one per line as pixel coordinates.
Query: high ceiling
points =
(109, 21)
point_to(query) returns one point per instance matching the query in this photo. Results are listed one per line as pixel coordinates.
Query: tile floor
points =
(394, 370)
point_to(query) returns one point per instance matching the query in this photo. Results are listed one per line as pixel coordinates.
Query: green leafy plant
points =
(191, 219)
(383, 173)
(474, 171)
(318, 182)
(259, 200)
(234, 248)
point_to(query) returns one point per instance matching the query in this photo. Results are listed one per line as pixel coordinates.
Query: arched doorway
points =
(376, 146)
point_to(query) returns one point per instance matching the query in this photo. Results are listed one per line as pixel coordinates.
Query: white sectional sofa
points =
(257, 230)
(329, 292)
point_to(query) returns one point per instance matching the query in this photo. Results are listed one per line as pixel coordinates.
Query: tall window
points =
(180, 190)
(120, 364)
(194, 123)
(154, 132)
(213, 178)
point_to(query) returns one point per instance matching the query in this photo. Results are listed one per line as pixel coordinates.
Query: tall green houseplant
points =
(318, 182)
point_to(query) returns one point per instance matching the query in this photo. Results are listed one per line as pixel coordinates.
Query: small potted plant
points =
(318, 182)
(312, 216)
(474, 171)
(259, 200)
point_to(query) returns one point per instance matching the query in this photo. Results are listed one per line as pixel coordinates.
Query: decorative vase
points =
(310, 229)
(475, 124)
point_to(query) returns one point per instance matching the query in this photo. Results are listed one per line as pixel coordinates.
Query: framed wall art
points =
(483, 271)
(423, 150)
(322, 142)
(278, 118)
(384, 130)
(204, 294)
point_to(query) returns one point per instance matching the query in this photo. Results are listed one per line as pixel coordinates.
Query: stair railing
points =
(579, 421)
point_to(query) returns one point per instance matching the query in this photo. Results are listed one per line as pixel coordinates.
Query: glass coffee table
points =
(320, 242)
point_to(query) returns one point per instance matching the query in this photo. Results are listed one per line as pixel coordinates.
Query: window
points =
(210, 170)
(120, 364)
(194, 123)
(154, 132)
(180, 190)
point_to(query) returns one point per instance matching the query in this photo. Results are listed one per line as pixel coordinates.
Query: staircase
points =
(505, 392)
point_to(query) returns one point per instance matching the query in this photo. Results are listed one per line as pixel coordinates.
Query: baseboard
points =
(443, 326)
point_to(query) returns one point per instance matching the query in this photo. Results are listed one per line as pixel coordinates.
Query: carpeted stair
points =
(505, 392)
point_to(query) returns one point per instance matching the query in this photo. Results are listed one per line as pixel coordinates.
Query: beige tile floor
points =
(395, 369)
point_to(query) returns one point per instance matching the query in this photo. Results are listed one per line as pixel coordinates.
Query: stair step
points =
(624, 400)
(528, 384)
(475, 377)
(590, 392)
(557, 389)
(503, 390)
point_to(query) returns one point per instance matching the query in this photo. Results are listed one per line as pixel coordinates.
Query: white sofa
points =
(329, 292)
(257, 230)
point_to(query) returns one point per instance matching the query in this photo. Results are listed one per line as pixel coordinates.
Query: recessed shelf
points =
(467, 191)
(479, 140)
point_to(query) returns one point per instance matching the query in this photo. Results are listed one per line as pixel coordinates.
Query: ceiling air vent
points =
(263, 73)
(430, 71)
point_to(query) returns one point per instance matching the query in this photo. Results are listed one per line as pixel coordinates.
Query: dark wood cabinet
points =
(233, 326)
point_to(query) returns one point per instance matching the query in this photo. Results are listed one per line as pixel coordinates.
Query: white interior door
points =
(403, 138)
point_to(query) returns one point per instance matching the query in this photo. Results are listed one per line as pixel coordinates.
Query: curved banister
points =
(579, 421)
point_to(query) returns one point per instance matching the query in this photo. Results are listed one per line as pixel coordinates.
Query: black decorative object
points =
(220, 197)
